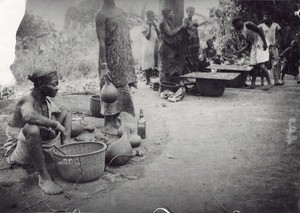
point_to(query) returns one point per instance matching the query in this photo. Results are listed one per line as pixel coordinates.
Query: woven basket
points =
(95, 106)
(83, 162)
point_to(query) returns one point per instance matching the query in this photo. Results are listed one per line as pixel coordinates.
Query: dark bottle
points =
(141, 125)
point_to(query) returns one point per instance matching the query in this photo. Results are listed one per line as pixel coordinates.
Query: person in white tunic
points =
(259, 49)
(271, 30)
(150, 45)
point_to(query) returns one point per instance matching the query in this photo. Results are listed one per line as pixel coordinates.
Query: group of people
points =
(37, 122)
(178, 48)
(264, 41)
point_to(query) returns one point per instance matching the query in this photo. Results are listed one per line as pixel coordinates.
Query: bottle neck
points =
(141, 113)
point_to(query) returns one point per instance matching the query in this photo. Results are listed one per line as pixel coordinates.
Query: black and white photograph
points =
(150, 106)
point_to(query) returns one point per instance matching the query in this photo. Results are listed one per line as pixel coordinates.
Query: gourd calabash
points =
(120, 151)
(108, 93)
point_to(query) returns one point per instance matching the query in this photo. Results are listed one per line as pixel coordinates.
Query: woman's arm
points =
(201, 24)
(285, 52)
(238, 52)
(100, 28)
(171, 32)
(256, 29)
(148, 32)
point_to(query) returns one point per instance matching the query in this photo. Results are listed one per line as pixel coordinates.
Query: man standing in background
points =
(150, 43)
(271, 30)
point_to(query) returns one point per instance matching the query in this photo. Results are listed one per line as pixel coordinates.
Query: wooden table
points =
(242, 70)
(211, 84)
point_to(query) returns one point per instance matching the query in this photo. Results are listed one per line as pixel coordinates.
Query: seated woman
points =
(228, 53)
(35, 126)
(210, 54)
(172, 59)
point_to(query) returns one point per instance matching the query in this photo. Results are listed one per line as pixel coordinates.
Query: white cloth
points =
(11, 14)
(270, 32)
(258, 55)
(148, 53)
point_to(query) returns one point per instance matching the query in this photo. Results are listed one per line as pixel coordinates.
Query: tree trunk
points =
(178, 8)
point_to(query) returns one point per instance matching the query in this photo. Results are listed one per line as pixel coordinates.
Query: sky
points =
(54, 10)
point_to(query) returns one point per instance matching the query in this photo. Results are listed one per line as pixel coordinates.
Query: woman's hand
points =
(154, 25)
(265, 46)
(184, 24)
(61, 128)
(237, 53)
(105, 71)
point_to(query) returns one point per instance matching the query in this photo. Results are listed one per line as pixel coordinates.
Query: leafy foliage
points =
(222, 17)
(73, 54)
(82, 14)
(281, 11)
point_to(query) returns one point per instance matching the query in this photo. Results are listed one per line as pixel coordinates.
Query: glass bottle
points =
(141, 125)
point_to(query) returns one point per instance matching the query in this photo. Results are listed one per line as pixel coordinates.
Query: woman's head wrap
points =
(190, 9)
(165, 12)
(149, 13)
(40, 77)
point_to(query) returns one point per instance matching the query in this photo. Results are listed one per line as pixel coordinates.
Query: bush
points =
(72, 54)
(33, 26)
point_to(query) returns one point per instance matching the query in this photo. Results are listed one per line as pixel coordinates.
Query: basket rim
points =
(49, 141)
(95, 97)
(81, 155)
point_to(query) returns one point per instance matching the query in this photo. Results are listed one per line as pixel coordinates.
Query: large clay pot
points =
(108, 93)
(120, 151)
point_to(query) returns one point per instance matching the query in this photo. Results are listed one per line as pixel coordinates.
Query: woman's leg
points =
(265, 72)
(148, 74)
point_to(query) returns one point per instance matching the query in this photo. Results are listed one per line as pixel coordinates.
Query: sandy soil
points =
(202, 155)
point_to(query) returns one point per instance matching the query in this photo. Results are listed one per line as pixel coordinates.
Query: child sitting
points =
(228, 52)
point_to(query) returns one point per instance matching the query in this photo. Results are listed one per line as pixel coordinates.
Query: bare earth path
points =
(206, 155)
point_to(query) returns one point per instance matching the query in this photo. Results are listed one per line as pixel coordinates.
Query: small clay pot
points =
(135, 140)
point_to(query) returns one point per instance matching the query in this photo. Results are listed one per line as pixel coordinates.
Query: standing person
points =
(115, 62)
(192, 58)
(170, 53)
(151, 34)
(259, 55)
(271, 30)
(291, 61)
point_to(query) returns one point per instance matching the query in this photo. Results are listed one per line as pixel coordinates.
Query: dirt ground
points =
(202, 154)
